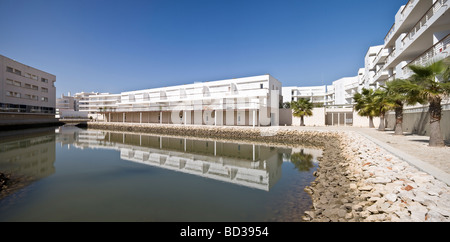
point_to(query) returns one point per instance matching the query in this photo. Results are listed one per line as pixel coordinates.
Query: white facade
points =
(344, 89)
(240, 101)
(339, 93)
(419, 35)
(315, 94)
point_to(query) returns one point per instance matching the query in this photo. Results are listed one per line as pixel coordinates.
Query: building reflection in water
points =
(30, 155)
(250, 165)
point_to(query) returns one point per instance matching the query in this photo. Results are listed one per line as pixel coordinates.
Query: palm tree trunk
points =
(371, 125)
(382, 127)
(302, 121)
(398, 130)
(435, 111)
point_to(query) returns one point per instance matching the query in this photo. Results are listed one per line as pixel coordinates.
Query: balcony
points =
(381, 75)
(381, 56)
(438, 51)
(437, 9)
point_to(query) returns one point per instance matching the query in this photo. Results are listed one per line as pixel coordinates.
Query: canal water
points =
(78, 174)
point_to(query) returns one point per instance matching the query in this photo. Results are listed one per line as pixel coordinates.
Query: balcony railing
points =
(389, 34)
(440, 47)
(422, 22)
(391, 56)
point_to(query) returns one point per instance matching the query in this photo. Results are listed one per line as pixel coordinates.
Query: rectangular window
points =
(35, 87)
(31, 76)
(262, 86)
(10, 69)
(9, 82)
(44, 80)
(17, 72)
(43, 89)
(26, 85)
(44, 99)
(12, 94)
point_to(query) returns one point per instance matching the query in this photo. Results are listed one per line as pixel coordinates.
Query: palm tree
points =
(396, 94)
(302, 107)
(431, 84)
(365, 105)
(383, 103)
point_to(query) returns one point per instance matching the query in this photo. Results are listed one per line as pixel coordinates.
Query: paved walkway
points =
(413, 149)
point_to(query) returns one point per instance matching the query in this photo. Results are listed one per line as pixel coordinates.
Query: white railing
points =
(389, 34)
(442, 46)
(422, 22)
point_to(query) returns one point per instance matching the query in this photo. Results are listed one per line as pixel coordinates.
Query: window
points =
(261, 85)
(12, 94)
(35, 87)
(43, 89)
(44, 99)
(26, 85)
(14, 83)
(17, 72)
(44, 80)
(10, 69)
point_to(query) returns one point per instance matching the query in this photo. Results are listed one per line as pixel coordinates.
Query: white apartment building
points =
(340, 93)
(27, 95)
(419, 35)
(315, 94)
(250, 101)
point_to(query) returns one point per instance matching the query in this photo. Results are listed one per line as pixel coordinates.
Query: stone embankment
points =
(367, 183)
(356, 180)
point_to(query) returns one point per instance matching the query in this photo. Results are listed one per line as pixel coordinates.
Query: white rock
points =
(391, 197)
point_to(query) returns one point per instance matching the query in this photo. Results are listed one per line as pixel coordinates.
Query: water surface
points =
(91, 175)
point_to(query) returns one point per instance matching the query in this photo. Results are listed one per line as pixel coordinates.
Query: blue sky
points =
(115, 46)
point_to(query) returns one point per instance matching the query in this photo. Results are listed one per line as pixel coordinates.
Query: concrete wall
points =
(318, 118)
(285, 116)
(419, 123)
(72, 114)
(359, 121)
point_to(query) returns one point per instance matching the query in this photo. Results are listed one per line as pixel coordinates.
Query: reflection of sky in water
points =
(113, 176)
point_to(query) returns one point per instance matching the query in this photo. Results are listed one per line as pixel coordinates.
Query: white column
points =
(160, 117)
(345, 119)
(185, 117)
(140, 117)
(109, 119)
(254, 152)
(254, 118)
(339, 119)
(215, 118)
(123, 120)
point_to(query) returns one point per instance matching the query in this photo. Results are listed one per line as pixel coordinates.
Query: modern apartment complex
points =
(419, 35)
(339, 94)
(27, 95)
(251, 101)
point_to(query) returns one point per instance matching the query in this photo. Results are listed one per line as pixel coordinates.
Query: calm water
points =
(87, 175)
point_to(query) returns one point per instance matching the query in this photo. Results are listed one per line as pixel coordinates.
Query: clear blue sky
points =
(114, 46)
